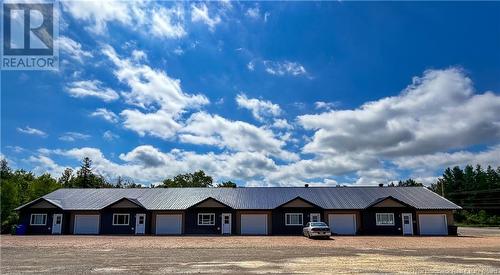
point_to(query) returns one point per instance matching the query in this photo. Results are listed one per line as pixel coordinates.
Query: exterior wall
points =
(279, 223)
(240, 212)
(324, 217)
(152, 220)
(25, 216)
(370, 227)
(107, 226)
(191, 220)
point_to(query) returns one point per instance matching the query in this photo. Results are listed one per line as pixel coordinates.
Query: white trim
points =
(385, 224)
(121, 214)
(203, 224)
(293, 224)
(230, 223)
(314, 215)
(403, 222)
(37, 224)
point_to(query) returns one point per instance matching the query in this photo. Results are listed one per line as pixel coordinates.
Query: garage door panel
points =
(342, 224)
(254, 224)
(433, 224)
(168, 224)
(86, 224)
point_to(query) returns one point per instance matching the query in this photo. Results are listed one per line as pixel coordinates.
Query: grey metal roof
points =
(247, 197)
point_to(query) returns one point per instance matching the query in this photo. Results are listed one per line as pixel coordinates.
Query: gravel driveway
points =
(200, 254)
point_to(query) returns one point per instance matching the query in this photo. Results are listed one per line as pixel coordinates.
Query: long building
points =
(239, 211)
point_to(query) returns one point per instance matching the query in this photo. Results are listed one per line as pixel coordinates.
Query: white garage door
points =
(433, 224)
(342, 224)
(168, 224)
(254, 224)
(86, 224)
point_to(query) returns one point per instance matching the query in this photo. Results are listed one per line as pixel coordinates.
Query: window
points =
(315, 217)
(293, 219)
(385, 218)
(38, 219)
(206, 219)
(120, 219)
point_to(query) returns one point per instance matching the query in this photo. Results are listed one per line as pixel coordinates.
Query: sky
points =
(262, 93)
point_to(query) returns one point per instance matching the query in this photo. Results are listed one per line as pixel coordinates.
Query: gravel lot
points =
(477, 251)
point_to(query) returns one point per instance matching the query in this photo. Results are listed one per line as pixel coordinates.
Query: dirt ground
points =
(475, 251)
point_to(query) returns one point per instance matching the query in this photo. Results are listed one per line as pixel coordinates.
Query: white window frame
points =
(294, 224)
(379, 223)
(211, 222)
(36, 214)
(121, 214)
(314, 214)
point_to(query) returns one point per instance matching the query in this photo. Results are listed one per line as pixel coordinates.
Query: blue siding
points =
(279, 226)
(191, 221)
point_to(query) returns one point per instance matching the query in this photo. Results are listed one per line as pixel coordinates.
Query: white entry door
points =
(57, 223)
(140, 224)
(226, 223)
(407, 224)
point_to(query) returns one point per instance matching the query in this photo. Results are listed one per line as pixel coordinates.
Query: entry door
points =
(407, 224)
(315, 217)
(226, 223)
(57, 223)
(140, 223)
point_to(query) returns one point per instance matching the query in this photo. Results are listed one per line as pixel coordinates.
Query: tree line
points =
(477, 190)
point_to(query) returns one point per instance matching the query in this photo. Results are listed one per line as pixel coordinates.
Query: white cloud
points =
(72, 136)
(253, 13)
(73, 48)
(99, 13)
(139, 55)
(375, 176)
(325, 105)
(168, 23)
(178, 51)
(105, 114)
(147, 164)
(203, 128)
(251, 66)
(199, 13)
(141, 16)
(159, 124)
(91, 88)
(437, 112)
(32, 131)
(109, 136)
(43, 164)
(157, 93)
(281, 68)
(259, 108)
(282, 124)
(439, 160)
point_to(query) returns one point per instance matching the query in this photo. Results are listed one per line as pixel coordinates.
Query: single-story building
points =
(240, 211)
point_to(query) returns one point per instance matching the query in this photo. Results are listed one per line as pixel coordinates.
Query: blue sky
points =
(262, 93)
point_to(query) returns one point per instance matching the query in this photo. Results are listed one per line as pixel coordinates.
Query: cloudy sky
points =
(263, 94)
